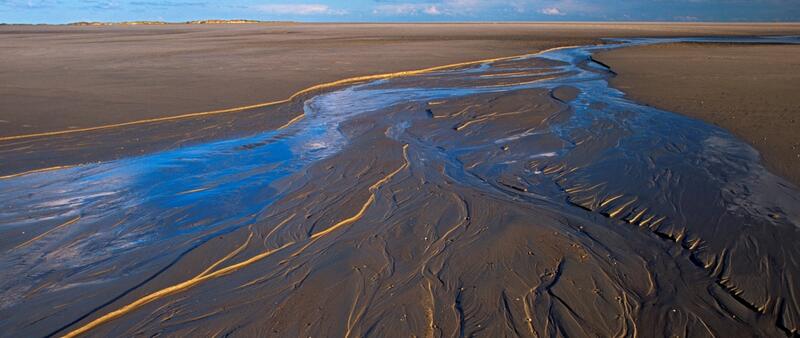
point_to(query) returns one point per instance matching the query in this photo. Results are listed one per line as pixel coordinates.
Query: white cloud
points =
(408, 9)
(401, 9)
(478, 9)
(434, 7)
(686, 18)
(299, 9)
(551, 11)
(432, 10)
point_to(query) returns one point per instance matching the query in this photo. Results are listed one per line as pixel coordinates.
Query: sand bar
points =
(749, 90)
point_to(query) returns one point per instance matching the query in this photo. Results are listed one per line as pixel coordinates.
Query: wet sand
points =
(55, 78)
(518, 197)
(749, 90)
(515, 197)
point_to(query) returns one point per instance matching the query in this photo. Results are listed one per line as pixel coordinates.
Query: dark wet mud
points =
(521, 197)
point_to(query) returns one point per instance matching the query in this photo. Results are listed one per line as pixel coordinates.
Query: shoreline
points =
(98, 135)
(259, 22)
(138, 77)
(117, 74)
(307, 90)
(398, 185)
(744, 89)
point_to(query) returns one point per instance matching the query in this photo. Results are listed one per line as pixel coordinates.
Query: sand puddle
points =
(475, 200)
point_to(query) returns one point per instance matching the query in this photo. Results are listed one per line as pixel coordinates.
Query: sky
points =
(65, 11)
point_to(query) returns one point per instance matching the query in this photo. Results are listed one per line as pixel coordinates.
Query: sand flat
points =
(56, 78)
(518, 197)
(59, 77)
(749, 90)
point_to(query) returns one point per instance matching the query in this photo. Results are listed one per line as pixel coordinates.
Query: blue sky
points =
(63, 11)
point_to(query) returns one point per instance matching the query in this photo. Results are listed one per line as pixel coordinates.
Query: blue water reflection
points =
(189, 194)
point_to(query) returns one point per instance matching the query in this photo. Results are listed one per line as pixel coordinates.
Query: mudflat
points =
(60, 77)
(512, 197)
(56, 78)
(750, 90)
(519, 197)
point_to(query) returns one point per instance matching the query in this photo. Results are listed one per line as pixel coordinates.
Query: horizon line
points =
(255, 22)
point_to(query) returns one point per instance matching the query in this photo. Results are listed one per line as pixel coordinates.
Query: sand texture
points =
(55, 78)
(749, 90)
(518, 196)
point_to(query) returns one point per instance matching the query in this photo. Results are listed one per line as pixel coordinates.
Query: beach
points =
(748, 90)
(58, 78)
(395, 180)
